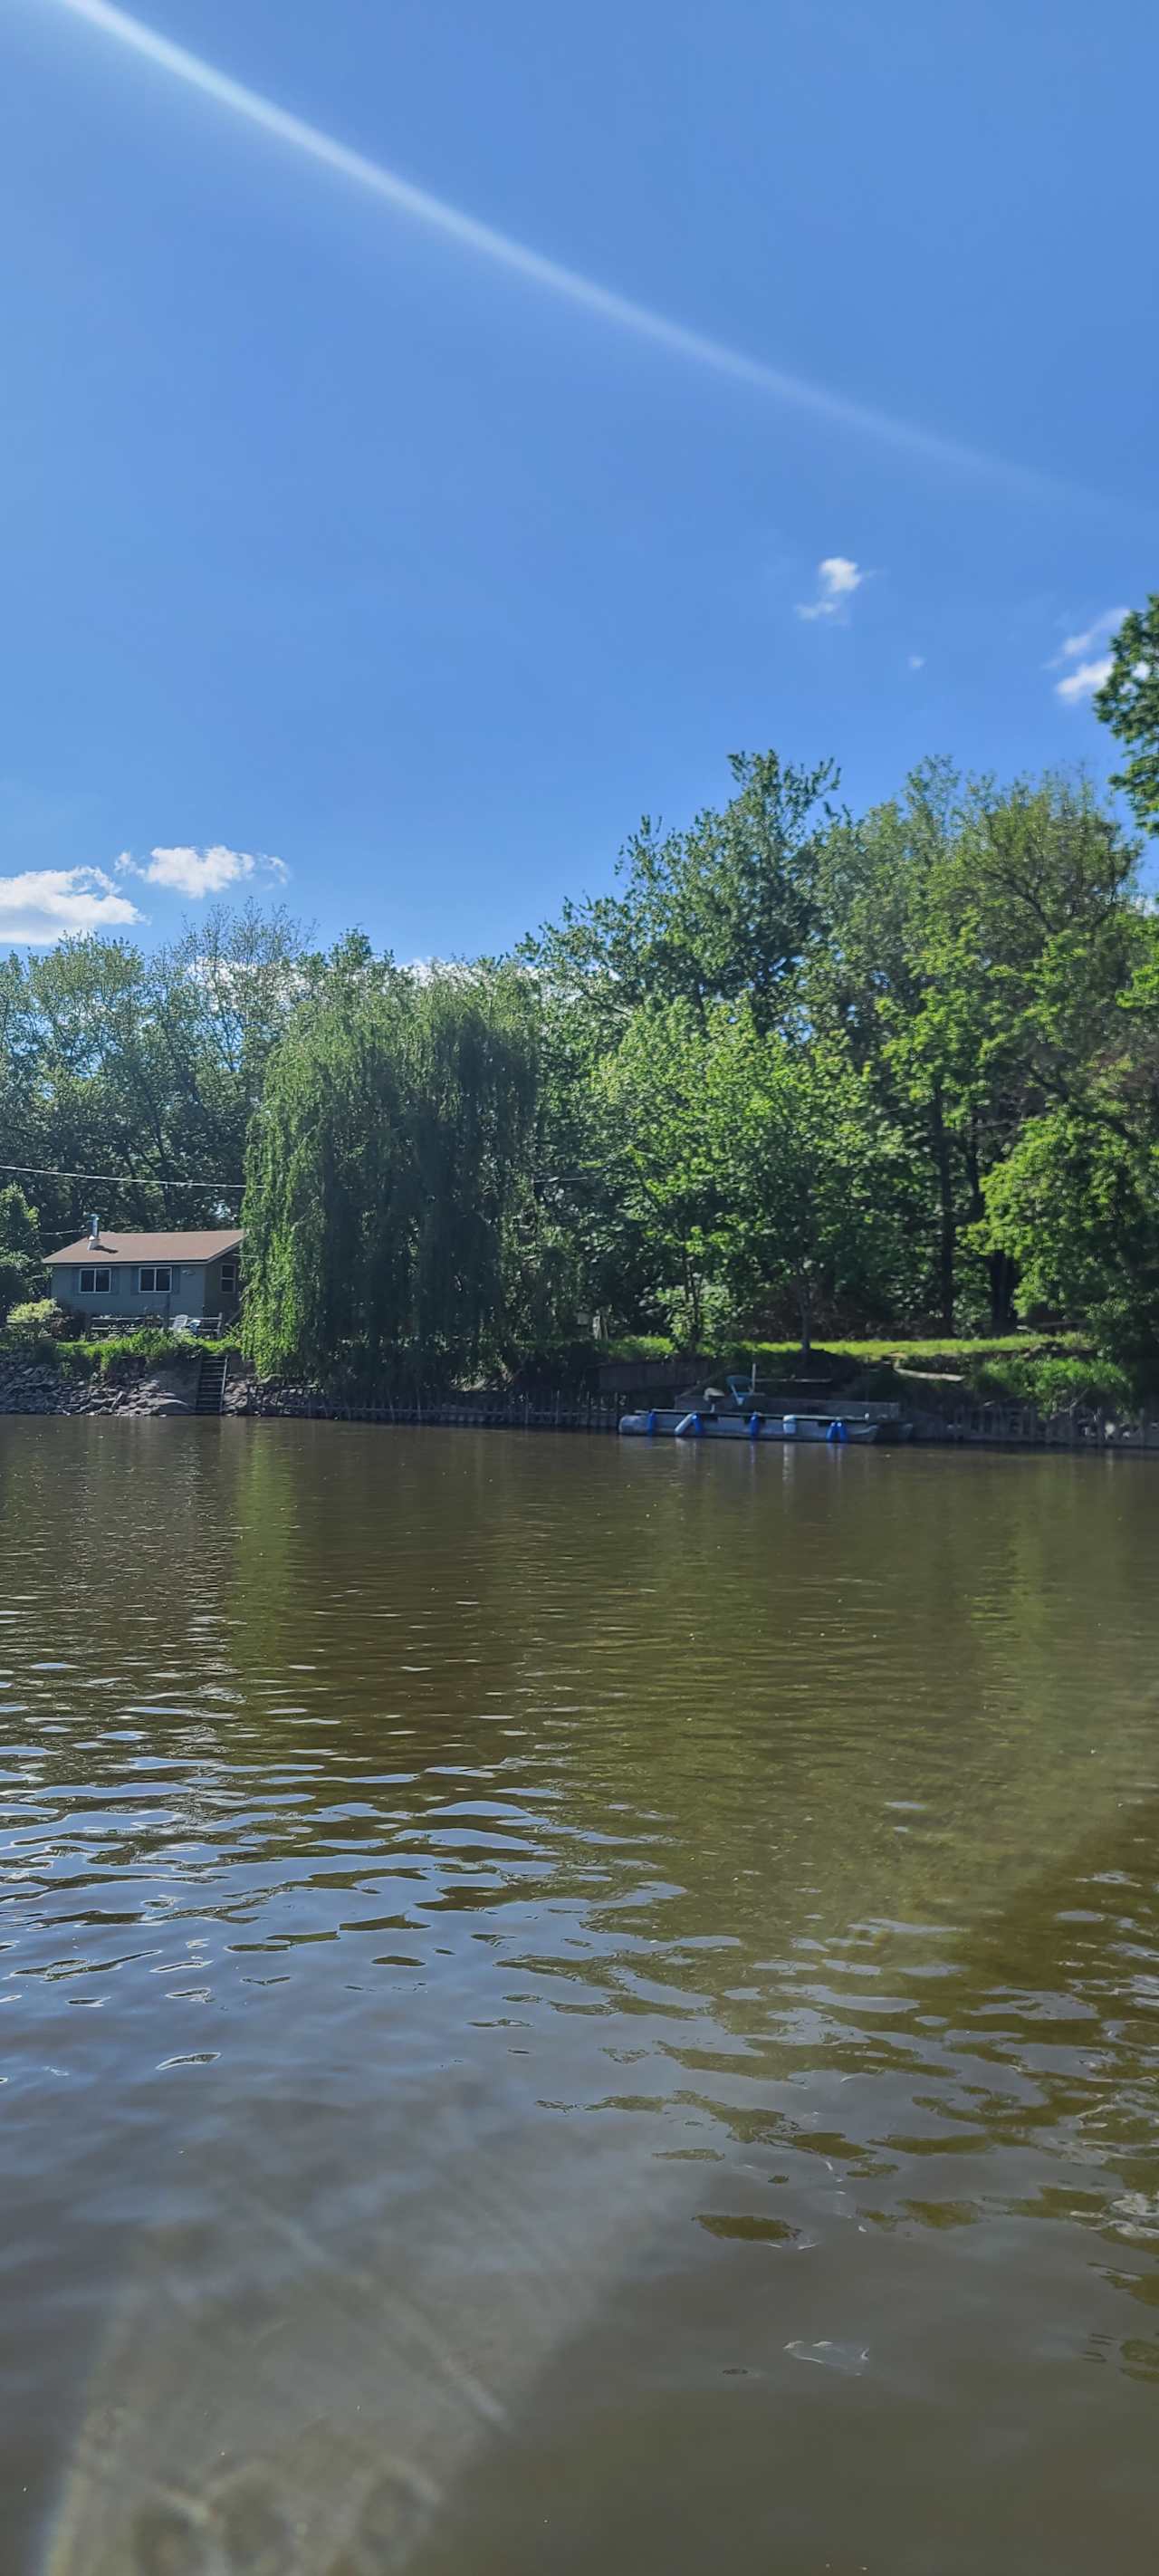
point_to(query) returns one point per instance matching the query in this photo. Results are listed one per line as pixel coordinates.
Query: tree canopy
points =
(21, 1263)
(800, 1069)
(388, 1171)
(144, 1067)
(1129, 702)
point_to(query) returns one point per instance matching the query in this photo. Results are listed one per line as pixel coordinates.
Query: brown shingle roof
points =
(116, 1248)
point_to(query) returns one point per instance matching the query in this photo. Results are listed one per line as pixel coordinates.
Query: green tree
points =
(872, 981)
(792, 1052)
(806, 1168)
(217, 999)
(1077, 1203)
(1129, 703)
(389, 1171)
(1076, 1200)
(21, 1259)
(722, 911)
(657, 1151)
(760, 1167)
(725, 910)
(143, 1067)
(978, 939)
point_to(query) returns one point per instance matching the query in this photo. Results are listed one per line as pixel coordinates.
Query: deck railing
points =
(103, 1328)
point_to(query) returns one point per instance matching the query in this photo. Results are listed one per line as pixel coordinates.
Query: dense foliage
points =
(1129, 702)
(799, 1072)
(389, 1170)
(20, 1250)
(150, 1066)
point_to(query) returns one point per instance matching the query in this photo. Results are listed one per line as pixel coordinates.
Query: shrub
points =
(30, 1326)
(151, 1345)
(13, 1281)
(1055, 1380)
(75, 1358)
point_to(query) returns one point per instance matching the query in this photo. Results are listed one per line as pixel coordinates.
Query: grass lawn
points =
(1051, 1370)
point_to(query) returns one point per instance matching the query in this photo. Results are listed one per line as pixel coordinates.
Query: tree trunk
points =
(1001, 1268)
(947, 1225)
(805, 1308)
(1003, 1272)
(693, 1295)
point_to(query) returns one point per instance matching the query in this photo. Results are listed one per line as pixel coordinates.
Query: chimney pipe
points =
(94, 1232)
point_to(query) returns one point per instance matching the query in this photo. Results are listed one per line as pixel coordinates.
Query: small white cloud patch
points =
(1091, 667)
(838, 574)
(1083, 682)
(837, 579)
(197, 873)
(43, 905)
(1101, 628)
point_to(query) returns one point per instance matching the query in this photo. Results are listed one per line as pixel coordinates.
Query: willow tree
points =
(389, 1172)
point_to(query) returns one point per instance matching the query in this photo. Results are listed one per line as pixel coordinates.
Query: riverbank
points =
(140, 1388)
(39, 1386)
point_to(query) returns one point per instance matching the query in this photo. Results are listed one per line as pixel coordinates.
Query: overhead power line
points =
(132, 1180)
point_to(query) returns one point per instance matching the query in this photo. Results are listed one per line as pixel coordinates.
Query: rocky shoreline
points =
(36, 1386)
(140, 1387)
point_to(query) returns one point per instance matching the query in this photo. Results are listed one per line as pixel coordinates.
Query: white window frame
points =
(155, 1279)
(99, 1278)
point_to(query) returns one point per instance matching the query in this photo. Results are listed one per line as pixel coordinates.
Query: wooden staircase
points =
(211, 1385)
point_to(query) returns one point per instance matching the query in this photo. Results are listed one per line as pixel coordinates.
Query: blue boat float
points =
(742, 1411)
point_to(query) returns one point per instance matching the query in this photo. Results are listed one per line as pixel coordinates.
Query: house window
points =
(228, 1278)
(94, 1283)
(156, 1282)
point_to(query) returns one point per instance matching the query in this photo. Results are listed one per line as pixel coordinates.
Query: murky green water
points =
(572, 2006)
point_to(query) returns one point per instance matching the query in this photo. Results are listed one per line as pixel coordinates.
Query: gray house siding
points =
(124, 1294)
(195, 1289)
(218, 1300)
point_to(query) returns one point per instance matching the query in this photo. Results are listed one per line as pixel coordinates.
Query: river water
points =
(572, 2005)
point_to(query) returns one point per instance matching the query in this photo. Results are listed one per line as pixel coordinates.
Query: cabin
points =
(118, 1279)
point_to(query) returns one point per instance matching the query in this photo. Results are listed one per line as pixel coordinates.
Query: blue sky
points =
(332, 537)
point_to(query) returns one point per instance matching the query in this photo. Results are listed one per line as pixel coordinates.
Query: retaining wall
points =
(36, 1386)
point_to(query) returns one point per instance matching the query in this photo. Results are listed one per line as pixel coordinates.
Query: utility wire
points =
(231, 1189)
(141, 1180)
(133, 1180)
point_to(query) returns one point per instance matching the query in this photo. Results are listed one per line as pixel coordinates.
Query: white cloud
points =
(46, 904)
(442, 970)
(1098, 632)
(838, 574)
(201, 872)
(917, 661)
(837, 579)
(1083, 682)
